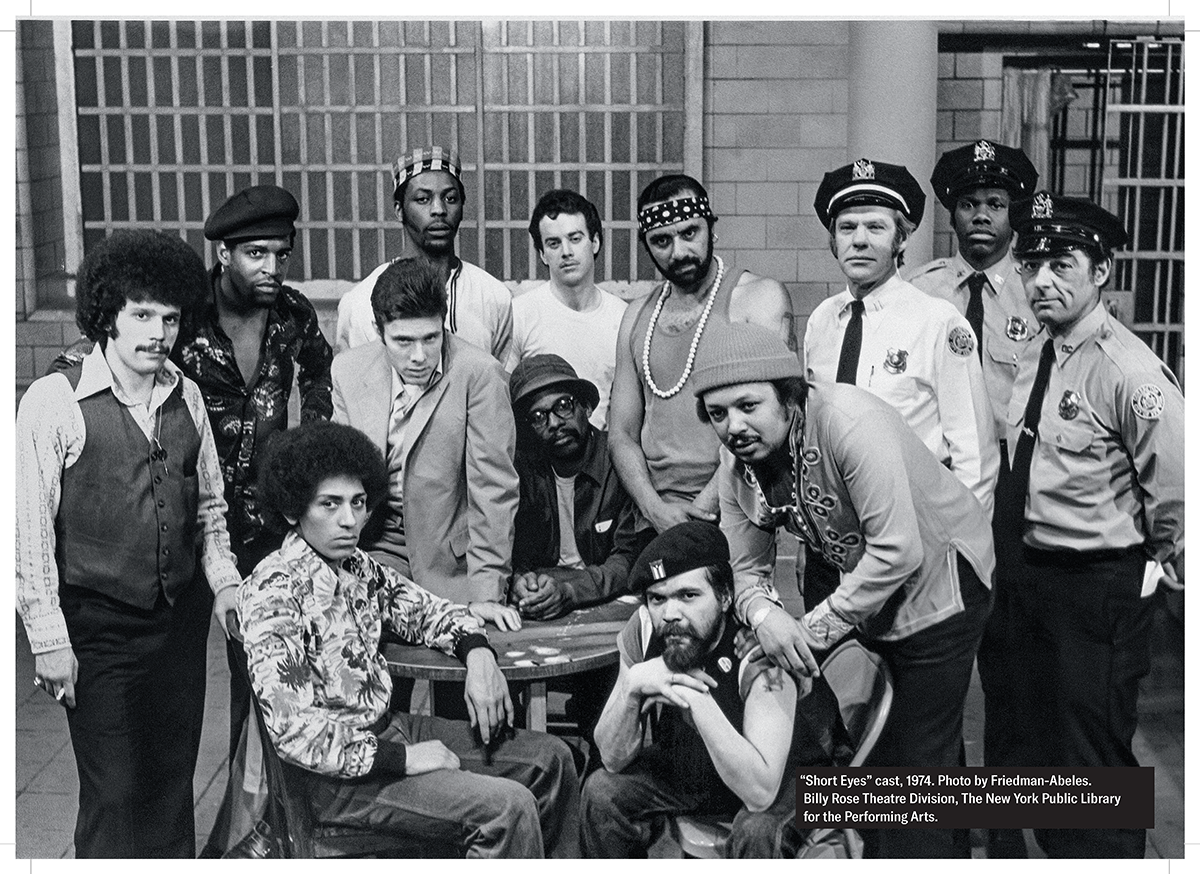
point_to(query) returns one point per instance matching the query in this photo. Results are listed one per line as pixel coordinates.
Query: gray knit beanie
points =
(740, 353)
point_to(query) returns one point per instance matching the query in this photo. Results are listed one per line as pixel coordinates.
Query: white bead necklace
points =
(691, 356)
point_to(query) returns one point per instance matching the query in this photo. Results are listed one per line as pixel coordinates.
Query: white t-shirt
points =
(587, 340)
(568, 549)
(479, 309)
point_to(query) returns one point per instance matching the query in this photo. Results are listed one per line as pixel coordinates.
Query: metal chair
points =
(863, 685)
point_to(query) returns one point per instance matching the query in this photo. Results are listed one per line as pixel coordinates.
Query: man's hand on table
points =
(488, 702)
(503, 617)
(540, 596)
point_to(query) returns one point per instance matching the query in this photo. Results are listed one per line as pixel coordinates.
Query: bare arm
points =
(750, 764)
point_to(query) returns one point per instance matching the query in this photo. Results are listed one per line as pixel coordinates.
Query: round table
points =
(580, 641)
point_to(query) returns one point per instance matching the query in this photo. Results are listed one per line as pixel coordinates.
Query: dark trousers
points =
(135, 728)
(522, 802)
(931, 671)
(623, 814)
(1006, 722)
(1089, 634)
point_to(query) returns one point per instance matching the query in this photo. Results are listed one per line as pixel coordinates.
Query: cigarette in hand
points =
(62, 691)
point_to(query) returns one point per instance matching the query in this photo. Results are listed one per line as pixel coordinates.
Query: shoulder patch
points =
(1148, 401)
(961, 341)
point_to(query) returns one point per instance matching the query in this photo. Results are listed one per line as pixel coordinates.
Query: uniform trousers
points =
(1089, 632)
(931, 671)
(524, 803)
(1006, 723)
(135, 727)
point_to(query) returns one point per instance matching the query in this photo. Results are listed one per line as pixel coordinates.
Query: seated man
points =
(728, 732)
(575, 538)
(312, 613)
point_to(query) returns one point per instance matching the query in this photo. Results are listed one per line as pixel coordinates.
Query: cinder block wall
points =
(970, 88)
(776, 95)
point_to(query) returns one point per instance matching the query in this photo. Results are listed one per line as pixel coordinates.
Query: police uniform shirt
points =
(1008, 322)
(1107, 467)
(918, 354)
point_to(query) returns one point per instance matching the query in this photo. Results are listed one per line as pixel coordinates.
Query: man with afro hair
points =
(312, 613)
(120, 512)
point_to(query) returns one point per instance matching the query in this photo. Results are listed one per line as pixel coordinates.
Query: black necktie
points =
(851, 345)
(975, 309)
(1019, 479)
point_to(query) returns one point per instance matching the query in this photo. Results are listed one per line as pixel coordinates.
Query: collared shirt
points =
(479, 310)
(244, 416)
(404, 397)
(312, 646)
(50, 438)
(604, 522)
(876, 505)
(918, 354)
(1009, 325)
(1107, 467)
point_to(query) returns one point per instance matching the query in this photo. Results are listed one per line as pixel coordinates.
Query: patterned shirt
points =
(242, 415)
(50, 438)
(312, 644)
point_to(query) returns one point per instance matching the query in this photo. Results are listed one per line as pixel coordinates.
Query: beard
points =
(690, 271)
(684, 648)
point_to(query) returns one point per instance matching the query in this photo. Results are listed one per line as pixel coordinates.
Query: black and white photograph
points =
(549, 437)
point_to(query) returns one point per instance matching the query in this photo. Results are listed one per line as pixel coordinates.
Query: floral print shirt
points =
(312, 645)
(244, 416)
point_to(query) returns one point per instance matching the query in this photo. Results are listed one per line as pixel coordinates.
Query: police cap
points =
(869, 183)
(983, 164)
(1047, 224)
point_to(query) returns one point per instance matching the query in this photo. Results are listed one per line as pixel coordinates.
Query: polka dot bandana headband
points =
(658, 215)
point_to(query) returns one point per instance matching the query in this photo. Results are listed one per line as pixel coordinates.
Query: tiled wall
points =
(776, 95)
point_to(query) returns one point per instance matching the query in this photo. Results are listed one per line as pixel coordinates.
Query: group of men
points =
(979, 461)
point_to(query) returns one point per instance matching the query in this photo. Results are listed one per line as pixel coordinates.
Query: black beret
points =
(983, 164)
(869, 183)
(1047, 224)
(254, 213)
(687, 546)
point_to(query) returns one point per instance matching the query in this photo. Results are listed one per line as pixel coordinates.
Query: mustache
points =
(154, 347)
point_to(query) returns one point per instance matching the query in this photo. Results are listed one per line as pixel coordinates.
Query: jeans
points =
(524, 804)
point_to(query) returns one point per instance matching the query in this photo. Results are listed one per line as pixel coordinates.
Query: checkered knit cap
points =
(418, 161)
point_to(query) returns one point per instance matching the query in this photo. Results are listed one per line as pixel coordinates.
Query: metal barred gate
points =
(174, 116)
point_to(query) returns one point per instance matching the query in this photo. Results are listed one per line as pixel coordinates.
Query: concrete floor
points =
(47, 784)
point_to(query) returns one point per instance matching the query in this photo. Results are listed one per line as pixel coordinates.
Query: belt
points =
(1075, 557)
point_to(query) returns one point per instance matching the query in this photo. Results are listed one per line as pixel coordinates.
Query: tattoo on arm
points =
(773, 677)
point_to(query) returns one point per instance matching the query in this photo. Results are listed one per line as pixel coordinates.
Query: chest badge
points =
(725, 664)
(1017, 328)
(896, 361)
(1068, 407)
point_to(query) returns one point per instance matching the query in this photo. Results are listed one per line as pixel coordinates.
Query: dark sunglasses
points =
(564, 407)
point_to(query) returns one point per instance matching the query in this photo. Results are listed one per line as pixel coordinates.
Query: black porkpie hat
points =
(544, 371)
(1047, 224)
(869, 183)
(685, 547)
(983, 164)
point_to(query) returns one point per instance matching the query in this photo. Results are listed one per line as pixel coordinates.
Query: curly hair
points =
(298, 460)
(139, 266)
(410, 288)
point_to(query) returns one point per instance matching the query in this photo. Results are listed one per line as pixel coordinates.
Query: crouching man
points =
(728, 733)
(312, 613)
